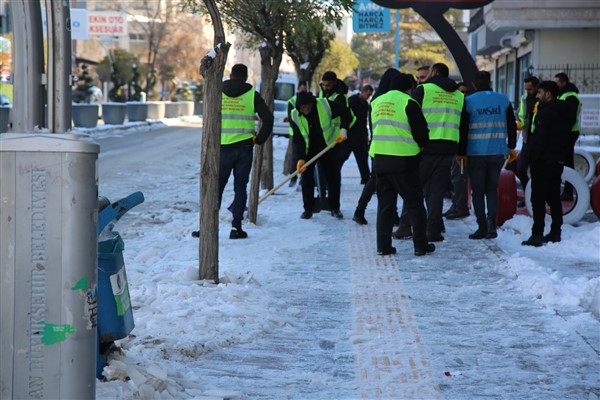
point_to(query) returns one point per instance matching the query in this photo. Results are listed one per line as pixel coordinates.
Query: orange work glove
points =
(519, 126)
(512, 155)
(343, 135)
(300, 166)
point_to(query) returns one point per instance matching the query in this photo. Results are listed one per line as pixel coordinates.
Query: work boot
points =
(306, 215)
(402, 234)
(337, 214)
(359, 217)
(196, 234)
(390, 250)
(534, 240)
(429, 248)
(491, 229)
(479, 234)
(237, 233)
(552, 237)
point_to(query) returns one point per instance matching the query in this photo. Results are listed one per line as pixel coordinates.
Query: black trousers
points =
(434, 170)
(545, 188)
(359, 146)
(523, 166)
(331, 168)
(570, 158)
(408, 186)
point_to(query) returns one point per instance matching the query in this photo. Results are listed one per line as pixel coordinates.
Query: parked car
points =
(281, 125)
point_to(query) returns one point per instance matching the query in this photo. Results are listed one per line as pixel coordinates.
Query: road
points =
(134, 157)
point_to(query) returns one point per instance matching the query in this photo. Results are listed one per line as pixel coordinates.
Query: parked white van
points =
(285, 86)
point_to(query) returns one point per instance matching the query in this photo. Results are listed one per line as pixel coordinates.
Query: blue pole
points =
(397, 39)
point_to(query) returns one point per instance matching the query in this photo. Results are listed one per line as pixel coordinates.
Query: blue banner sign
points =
(370, 17)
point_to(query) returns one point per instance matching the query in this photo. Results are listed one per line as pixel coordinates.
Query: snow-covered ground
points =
(302, 306)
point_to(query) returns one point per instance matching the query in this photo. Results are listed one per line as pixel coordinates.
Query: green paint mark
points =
(56, 333)
(81, 285)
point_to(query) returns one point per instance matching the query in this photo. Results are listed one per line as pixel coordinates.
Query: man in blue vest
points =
(488, 125)
(240, 104)
(399, 134)
(314, 129)
(570, 95)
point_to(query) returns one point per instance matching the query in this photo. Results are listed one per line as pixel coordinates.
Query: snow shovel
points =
(293, 174)
(321, 202)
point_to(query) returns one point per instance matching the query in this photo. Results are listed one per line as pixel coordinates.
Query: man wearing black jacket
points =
(569, 93)
(399, 133)
(312, 123)
(358, 136)
(547, 147)
(443, 106)
(240, 103)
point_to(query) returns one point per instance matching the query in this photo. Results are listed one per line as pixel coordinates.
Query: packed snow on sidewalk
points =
(179, 318)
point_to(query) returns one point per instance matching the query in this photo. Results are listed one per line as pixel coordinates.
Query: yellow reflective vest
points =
(325, 114)
(237, 118)
(442, 110)
(391, 130)
(564, 96)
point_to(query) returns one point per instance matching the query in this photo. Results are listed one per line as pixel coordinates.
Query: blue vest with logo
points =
(488, 132)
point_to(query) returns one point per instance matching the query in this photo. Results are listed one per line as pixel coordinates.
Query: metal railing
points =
(585, 76)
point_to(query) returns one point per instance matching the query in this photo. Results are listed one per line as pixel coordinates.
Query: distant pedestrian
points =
(547, 152)
(289, 164)
(487, 128)
(527, 109)
(358, 135)
(569, 93)
(459, 179)
(422, 74)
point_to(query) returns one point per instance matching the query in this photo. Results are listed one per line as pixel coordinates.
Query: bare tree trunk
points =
(270, 62)
(211, 68)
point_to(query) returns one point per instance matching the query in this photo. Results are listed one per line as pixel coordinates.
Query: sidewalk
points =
(306, 309)
(405, 327)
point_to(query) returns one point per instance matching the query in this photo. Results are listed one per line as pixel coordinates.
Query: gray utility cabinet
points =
(48, 266)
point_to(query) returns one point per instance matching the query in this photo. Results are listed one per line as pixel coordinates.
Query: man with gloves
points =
(487, 127)
(313, 124)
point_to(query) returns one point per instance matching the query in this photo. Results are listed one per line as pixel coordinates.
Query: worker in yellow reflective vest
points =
(399, 133)
(314, 129)
(443, 106)
(240, 104)
(525, 125)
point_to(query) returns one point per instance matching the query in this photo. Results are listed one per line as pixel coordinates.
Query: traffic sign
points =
(370, 17)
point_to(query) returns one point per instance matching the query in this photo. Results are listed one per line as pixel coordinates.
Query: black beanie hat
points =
(304, 98)
(402, 82)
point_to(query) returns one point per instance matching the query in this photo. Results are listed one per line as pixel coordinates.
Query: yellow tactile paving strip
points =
(391, 361)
